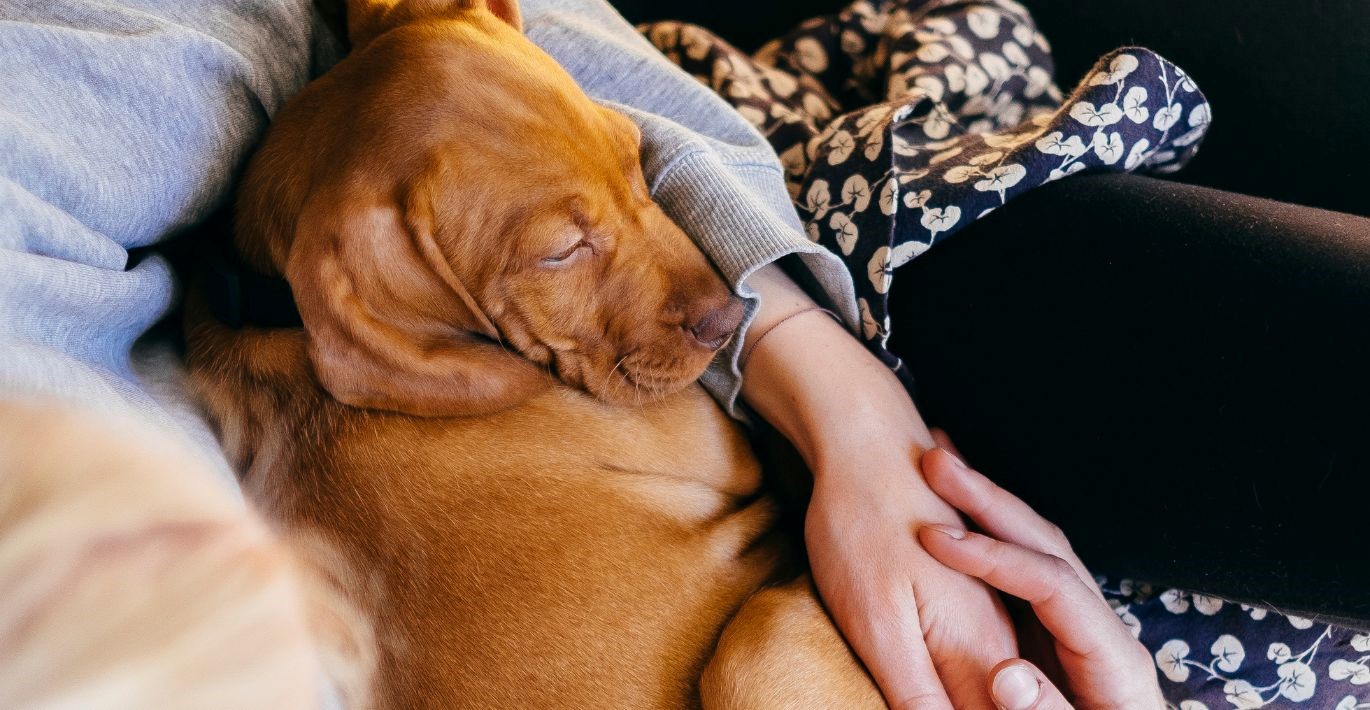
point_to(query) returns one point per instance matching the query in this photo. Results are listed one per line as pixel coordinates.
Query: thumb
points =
(1016, 684)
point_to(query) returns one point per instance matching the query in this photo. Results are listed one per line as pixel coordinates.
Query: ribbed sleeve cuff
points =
(741, 216)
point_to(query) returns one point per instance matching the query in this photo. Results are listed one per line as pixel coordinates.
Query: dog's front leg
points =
(781, 650)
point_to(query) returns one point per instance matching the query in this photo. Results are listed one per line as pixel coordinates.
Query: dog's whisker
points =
(618, 364)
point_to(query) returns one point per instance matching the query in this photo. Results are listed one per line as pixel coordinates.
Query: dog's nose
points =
(717, 325)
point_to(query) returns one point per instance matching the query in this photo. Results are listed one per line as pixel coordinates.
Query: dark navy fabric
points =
(1214, 654)
(902, 121)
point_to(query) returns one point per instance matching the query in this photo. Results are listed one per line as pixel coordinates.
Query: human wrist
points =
(754, 338)
(831, 398)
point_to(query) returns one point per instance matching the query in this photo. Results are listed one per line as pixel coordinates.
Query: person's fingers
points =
(879, 618)
(997, 511)
(917, 685)
(1016, 684)
(943, 441)
(1070, 610)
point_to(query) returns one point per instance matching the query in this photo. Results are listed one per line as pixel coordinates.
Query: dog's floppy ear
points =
(368, 19)
(507, 10)
(387, 328)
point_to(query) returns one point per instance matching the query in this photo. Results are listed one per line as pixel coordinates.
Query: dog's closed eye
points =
(566, 255)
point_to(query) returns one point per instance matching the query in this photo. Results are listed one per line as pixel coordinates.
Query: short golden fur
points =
(549, 547)
(446, 177)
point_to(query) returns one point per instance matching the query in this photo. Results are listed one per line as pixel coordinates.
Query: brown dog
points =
(457, 220)
(448, 177)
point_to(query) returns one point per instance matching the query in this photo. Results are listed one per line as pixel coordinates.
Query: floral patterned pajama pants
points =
(901, 121)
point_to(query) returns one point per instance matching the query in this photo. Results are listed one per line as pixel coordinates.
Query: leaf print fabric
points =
(899, 122)
(1214, 654)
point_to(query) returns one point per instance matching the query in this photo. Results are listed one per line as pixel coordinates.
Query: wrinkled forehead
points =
(506, 93)
(520, 141)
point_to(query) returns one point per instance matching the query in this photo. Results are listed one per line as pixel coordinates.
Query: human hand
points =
(928, 635)
(1024, 555)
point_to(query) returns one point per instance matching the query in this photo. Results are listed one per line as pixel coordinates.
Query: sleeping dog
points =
(489, 406)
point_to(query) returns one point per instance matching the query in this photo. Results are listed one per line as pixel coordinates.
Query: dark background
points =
(1289, 80)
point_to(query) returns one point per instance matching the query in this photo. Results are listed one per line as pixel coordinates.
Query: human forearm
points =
(818, 386)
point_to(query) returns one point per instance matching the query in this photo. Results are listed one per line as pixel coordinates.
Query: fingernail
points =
(956, 460)
(1015, 688)
(949, 531)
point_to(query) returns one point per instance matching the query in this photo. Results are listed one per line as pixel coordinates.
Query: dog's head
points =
(458, 219)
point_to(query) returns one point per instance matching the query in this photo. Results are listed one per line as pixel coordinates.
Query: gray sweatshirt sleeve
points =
(122, 123)
(709, 169)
